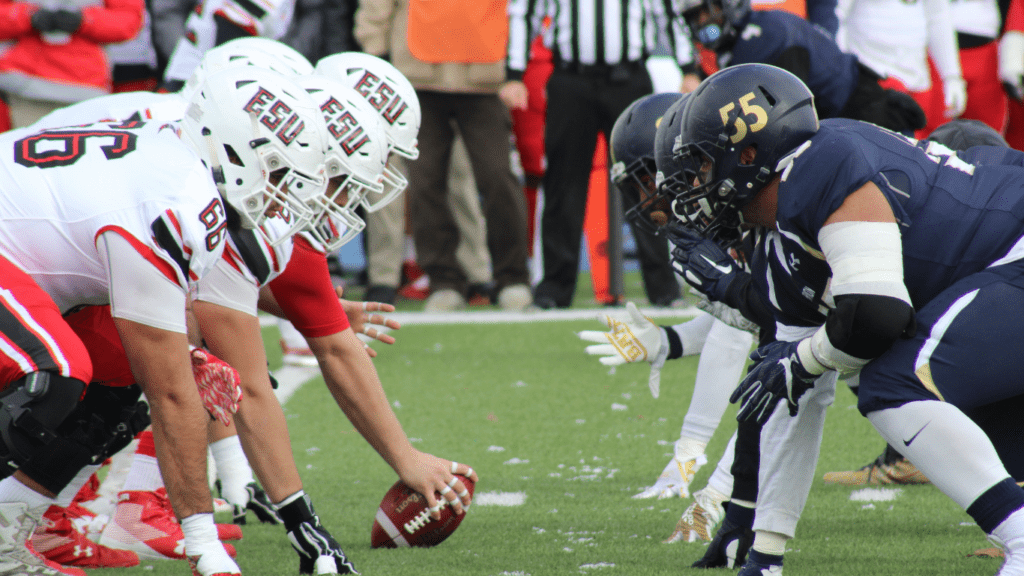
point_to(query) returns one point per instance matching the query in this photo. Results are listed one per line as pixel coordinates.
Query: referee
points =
(600, 48)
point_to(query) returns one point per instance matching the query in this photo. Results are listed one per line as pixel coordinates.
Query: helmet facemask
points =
(651, 207)
(338, 222)
(393, 183)
(704, 203)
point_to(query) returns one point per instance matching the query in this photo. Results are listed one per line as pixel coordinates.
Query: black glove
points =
(776, 374)
(67, 20)
(310, 539)
(729, 547)
(705, 266)
(42, 20)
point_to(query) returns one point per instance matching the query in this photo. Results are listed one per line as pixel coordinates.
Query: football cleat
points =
(62, 538)
(699, 520)
(260, 505)
(729, 547)
(889, 468)
(17, 557)
(143, 523)
(675, 479)
(759, 564)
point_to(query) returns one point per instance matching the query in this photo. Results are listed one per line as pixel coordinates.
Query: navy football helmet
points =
(737, 132)
(725, 19)
(633, 168)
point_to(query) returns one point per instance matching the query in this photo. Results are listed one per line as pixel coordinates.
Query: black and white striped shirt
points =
(594, 32)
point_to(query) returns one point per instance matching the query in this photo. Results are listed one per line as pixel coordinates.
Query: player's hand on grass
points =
(631, 337)
(363, 320)
(220, 387)
(427, 474)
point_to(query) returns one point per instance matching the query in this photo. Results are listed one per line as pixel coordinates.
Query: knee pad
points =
(32, 409)
(106, 420)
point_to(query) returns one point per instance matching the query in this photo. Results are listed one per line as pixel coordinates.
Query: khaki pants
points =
(25, 111)
(385, 229)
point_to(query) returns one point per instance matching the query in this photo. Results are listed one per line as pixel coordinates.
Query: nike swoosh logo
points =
(716, 266)
(907, 442)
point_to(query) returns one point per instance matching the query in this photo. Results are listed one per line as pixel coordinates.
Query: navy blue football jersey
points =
(768, 34)
(955, 217)
(794, 282)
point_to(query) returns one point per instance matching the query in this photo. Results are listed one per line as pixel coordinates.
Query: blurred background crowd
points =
(509, 199)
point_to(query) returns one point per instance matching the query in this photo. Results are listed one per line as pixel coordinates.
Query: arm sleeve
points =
(226, 286)
(373, 23)
(115, 21)
(306, 295)
(942, 44)
(138, 290)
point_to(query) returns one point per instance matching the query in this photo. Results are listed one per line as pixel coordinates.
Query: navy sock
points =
(762, 558)
(996, 504)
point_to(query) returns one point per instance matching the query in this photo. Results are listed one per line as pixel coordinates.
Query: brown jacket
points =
(381, 29)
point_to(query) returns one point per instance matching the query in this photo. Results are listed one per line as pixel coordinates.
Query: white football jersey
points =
(141, 106)
(64, 187)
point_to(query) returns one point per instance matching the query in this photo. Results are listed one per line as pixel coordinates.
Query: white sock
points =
(144, 474)
(945, 445)
(721, 479)
(1010, 532)
(120, 465)
(68, 493)
(770, 542)
(722, 360)
(233, 470)
(200, 534)
(12, 490)
(689, 448)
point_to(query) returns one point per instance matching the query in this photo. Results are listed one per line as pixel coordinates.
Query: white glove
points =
(955, 91)
(1011, 63)
(631, 338)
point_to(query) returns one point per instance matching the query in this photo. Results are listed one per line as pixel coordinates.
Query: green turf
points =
(463, 392)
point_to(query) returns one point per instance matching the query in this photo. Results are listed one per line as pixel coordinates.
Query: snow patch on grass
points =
(876, 494)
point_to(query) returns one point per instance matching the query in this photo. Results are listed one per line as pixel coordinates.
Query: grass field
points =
(571, 441)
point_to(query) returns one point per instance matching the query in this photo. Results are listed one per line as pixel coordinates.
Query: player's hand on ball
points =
(631, 338)
(432, 477)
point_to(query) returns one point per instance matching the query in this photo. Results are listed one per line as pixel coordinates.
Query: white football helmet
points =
(355, 159)
(300, 64)
(392, 96)
(230, 55)
(265, 142)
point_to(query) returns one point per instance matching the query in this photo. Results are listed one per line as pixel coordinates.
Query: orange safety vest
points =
(469, 31)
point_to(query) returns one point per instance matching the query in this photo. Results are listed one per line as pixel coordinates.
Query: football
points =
(403, 520)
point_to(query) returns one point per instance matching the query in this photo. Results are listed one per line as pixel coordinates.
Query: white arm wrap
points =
(866, 258)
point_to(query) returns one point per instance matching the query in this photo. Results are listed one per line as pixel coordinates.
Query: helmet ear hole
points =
(748, 155)
(233, 156)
